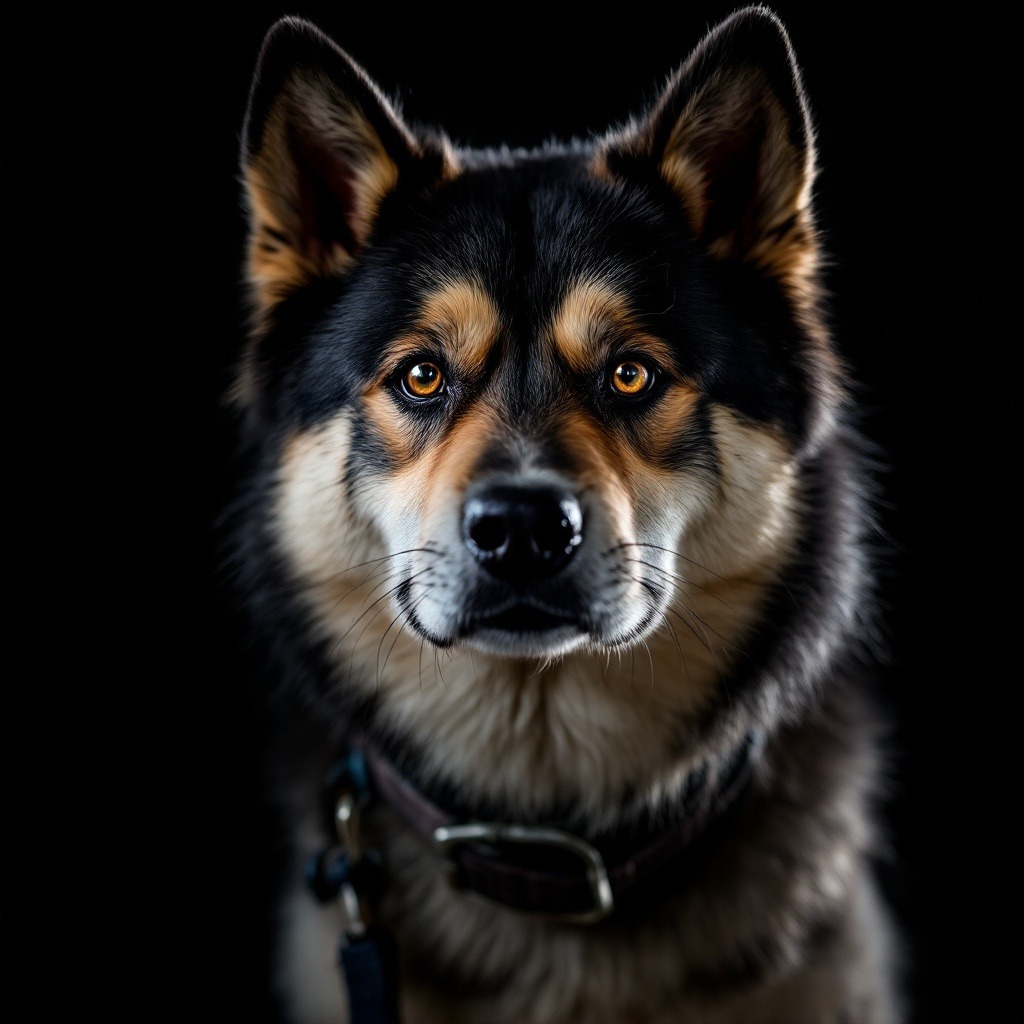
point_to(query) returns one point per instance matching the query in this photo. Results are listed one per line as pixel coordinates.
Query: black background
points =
(916, 199)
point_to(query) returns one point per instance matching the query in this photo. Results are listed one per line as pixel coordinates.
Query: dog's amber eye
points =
(631, 378)
(422, 380)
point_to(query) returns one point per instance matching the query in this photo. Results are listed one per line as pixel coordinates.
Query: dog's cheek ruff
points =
(756, 514)
(311, 520)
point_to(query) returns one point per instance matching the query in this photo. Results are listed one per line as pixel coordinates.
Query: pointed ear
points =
(321, 149)
(732, 137)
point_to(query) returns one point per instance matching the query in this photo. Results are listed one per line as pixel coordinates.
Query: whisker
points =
(419, 661)
(658, 547)
(370, 575)
(384, 636)
(382, 597)
(389, 575)
(708, 626)
(682, 579)
(405, 614)
(650, 659)
(676, 599)
(653, 589)
(393, 554)
(702, 640)
(679, 650)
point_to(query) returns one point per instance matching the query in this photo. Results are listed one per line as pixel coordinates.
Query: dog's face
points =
(534, 406)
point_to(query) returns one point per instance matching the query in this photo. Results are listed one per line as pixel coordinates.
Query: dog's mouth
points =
(519, 619)
(525, 629)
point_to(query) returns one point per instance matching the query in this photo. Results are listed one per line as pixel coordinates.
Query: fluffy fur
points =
(719, 585)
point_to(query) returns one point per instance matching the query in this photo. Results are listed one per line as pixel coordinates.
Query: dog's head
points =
(534, 405)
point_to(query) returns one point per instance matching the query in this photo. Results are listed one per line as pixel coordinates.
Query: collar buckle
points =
(448, 839)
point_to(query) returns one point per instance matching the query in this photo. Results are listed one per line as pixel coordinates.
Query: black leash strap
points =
(367, 963)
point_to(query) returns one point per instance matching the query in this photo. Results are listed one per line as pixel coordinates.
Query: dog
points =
(555, 517)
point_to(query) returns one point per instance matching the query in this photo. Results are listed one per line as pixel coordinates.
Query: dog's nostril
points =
(488, 533)
(557, 536)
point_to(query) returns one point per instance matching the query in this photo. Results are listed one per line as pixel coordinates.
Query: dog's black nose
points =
(522, 534)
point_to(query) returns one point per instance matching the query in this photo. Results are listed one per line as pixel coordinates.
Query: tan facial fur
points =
(592, 721)
(593, 313)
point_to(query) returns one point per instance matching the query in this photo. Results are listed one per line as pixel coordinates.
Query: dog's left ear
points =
(732, 137)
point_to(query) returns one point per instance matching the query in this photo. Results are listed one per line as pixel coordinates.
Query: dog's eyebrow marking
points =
(461, 316)
(590, 317)
(461, 319)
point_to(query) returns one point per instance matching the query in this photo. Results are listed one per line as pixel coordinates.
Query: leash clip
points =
(333, 874)
(346, 824)
(347, 872)
(346, 821)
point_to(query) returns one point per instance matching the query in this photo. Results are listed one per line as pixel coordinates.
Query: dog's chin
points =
(510, 643)
(555, 640)
(532, 631)
(519, 631)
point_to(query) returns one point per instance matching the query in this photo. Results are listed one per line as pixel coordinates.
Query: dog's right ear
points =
(321, 149)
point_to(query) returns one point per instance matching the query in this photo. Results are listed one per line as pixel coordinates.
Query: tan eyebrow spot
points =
(590, 317)
(462, 317)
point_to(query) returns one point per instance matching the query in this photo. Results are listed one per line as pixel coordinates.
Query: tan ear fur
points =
(314, 188)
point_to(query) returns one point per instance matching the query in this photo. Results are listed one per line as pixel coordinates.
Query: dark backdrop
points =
(915, 145)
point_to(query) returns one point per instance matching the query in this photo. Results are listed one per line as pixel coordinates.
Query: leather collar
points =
(554, 873)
